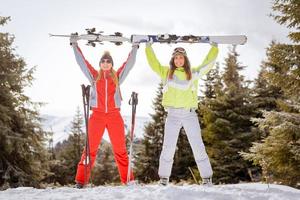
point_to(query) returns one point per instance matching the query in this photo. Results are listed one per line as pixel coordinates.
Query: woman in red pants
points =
(105, 101)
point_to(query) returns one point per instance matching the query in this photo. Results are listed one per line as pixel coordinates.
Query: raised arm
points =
(208, 62)
(85, 66)
(162, 71)
(124, 70)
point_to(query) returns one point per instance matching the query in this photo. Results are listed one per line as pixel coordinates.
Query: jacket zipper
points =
(105, 95)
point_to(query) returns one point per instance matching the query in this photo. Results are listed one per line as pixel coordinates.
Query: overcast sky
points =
(58, 78)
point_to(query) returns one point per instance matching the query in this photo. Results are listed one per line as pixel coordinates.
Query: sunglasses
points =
(108, 61)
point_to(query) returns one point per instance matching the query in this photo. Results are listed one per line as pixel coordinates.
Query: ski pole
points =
(88, 87)
(86, 98)
(194, 177)
(133, 101)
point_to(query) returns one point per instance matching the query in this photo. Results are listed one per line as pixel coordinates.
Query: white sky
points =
(58, 78)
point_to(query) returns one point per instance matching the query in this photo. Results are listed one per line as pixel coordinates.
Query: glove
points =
(73, 39)
(149, 42)
(214, 44)
(136, 44)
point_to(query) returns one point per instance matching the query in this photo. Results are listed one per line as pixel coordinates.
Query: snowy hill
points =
(253, 191)
(60, 126)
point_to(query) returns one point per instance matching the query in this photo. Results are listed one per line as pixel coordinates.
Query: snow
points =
(247, 191)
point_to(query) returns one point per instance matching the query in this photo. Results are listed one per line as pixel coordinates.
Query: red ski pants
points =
(115, 127)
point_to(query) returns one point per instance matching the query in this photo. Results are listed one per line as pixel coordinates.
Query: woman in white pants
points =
(180, 99)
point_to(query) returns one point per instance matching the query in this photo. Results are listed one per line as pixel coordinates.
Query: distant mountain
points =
(60, 126)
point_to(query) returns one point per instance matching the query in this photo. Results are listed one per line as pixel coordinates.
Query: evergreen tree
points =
(105, 170)
(282, 69)
(23, 156)
(278, 153)
(227, 126)
(287, 71)
(283, 134)
(213, 84)
(213, 88)
(288, 15)
(69, 153)
(265, 95)
(280, 134)
(148, 159)
(51, 145)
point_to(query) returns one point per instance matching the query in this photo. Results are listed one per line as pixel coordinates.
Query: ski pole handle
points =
(134, 99)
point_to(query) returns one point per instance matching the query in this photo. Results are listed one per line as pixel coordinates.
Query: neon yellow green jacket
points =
(179, 92)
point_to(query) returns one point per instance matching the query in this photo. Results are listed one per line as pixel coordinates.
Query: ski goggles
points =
(179, 50)
(108, 61)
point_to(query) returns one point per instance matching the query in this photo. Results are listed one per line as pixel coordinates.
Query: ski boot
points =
(207, 181)
(78, 186)
(132, 183)
(164, 181)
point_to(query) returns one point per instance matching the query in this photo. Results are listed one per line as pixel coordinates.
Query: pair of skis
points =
(117, 38)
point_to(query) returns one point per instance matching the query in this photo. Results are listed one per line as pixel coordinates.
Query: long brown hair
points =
(112, 74)
(186, 67)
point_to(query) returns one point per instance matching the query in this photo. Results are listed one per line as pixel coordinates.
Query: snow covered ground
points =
(253, 191)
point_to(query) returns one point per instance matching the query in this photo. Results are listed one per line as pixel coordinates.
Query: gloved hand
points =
(136, 44)
(149, 42)
(73, 39)
(214, 44)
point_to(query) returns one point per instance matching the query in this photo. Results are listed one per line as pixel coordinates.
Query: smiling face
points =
(106, 64)
(178, 56)
(179, 60)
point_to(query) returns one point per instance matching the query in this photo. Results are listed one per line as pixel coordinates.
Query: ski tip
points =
(245, 40)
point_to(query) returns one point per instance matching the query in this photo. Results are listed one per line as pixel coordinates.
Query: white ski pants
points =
(187, 119)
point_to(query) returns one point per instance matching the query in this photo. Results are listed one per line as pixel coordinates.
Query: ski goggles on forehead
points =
(179, 50)
(106, 61)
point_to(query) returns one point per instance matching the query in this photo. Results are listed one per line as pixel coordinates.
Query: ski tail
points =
(229, 39)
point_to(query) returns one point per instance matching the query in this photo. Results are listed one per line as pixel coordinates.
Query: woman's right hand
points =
(73, 39)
